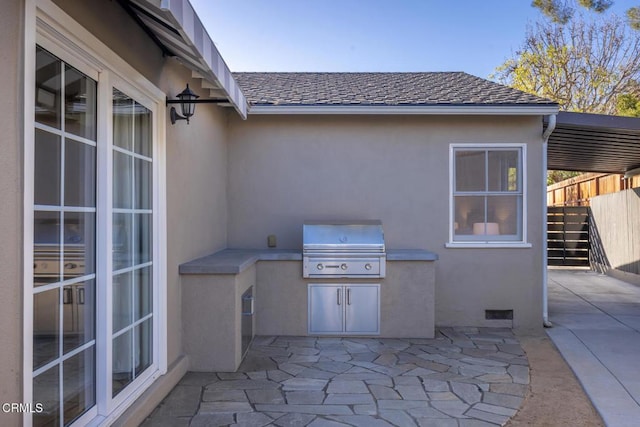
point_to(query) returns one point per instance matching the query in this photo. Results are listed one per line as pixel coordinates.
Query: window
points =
(95, 331)
(487, 201)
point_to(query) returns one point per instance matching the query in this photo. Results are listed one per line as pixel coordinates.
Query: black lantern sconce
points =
(188, 100)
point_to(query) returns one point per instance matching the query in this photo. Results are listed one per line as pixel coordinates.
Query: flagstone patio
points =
(463, 377)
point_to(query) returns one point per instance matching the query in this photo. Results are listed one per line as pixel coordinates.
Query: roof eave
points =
(480, 110)
(200, 54)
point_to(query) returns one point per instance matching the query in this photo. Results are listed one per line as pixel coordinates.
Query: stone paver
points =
(463, 377)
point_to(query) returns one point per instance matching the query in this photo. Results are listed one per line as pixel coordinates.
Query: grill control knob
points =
(319, 266)
(343, 266)
(367, 266)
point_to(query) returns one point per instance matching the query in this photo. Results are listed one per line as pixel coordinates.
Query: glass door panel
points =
(132, 313)
(64, 236)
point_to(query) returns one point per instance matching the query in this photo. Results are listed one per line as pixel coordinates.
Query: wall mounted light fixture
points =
(188, 100)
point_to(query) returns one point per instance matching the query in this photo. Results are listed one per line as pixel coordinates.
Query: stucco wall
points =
(285, 169)
(11, 260)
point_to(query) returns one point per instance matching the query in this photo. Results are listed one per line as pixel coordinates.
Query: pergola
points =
(595, 143)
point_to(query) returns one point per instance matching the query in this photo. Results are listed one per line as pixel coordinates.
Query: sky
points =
(474, 36)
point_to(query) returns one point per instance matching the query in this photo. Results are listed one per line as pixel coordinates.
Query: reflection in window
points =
(64, 236)
(48, 78)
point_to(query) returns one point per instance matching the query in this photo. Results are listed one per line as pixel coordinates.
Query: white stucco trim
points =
(455, 110)
(496, 245)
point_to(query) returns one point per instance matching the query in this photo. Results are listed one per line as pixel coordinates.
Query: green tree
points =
(629, 105)
(562, 11)
(584, 65)
(557, 176)
(633, 17)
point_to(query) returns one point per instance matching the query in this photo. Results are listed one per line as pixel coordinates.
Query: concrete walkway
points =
(465, 377)
(596, 322)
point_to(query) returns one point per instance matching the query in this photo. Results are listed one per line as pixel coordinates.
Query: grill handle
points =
(348, 296)
(338, 295)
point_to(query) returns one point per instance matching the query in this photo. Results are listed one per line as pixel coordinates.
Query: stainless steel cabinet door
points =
(362, 309)
(326, 311)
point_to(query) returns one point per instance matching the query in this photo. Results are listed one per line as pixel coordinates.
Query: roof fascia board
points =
(183, 17)
(603, 121)
(526, 110)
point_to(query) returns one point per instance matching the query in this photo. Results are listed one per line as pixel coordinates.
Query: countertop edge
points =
(235, 261)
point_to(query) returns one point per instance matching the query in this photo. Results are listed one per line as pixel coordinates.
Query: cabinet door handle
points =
(348, 296)
(338, 295)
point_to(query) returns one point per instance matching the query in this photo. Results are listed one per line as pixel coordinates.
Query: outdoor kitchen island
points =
(212, 303)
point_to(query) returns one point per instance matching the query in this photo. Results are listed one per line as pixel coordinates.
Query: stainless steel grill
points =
(349, 249)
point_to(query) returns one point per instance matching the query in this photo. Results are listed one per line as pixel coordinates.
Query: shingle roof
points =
(379, 89)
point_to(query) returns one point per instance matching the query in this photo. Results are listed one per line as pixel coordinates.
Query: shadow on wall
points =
(597, 254)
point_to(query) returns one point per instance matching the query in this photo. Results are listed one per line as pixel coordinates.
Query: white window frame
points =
(48, 26)
(487, 243)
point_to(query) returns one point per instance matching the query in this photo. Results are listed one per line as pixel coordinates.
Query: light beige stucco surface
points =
(287, 169)
(11, 184)
(408, 288)
(212, 315)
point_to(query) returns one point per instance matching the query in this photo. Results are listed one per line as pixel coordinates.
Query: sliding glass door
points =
(94, 286)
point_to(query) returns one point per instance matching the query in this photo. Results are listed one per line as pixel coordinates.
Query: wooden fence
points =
(579, 191)
(568, 235)
(615, 232)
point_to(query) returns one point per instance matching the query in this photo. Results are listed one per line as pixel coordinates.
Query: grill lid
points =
(343, 236)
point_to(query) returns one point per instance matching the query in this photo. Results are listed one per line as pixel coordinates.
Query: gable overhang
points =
(594, 143)
(176, 28)
(488, 110)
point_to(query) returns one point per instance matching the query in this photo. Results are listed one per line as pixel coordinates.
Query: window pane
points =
(46, 391)
(80, 104)
(46, 335)
(122, 301)
(122, 373)
(144, 349)
(79, 174)
(143, 238)
(142, 132)
(78, 315)
(79, 244)
(48, 81)
(143, 184)
(470, 170)
(122, 241)
(46, 247)
(122, 180)
(504, 174)
(47, 169)
(143, 292)
(79, 384)
(469, 210)
(122, 120)
(506, 211)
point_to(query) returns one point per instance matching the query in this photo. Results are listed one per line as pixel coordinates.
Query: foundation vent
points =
(498, 314)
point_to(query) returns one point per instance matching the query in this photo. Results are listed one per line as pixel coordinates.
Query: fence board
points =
(568, 235)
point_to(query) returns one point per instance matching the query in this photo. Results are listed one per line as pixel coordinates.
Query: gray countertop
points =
(234, 261)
